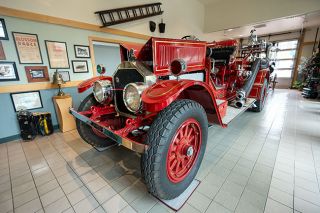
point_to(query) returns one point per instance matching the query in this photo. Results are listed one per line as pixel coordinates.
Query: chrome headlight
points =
(103, 91)
(132, 96)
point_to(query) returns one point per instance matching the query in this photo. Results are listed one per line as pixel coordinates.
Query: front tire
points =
(87, 133)
(177, 140)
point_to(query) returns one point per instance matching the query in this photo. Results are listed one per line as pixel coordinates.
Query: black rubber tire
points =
(159, 137)
(260, 103)
(85, 131)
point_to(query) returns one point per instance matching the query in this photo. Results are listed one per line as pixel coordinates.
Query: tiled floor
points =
(264, 162)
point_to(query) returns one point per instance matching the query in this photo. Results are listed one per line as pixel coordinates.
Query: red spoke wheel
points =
(184, 150)
(87, 133)
(176, 144)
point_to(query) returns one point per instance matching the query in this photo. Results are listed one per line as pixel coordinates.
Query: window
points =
(285, 58)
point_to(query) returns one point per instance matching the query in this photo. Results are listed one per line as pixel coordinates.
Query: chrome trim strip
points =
(137, 147)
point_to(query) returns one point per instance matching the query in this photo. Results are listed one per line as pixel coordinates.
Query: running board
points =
(233, 112)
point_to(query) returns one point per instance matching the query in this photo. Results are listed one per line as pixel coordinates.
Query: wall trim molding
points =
(35, 86)
(18, 137)
(66, 22)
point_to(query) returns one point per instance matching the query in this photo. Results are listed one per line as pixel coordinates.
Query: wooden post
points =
(298, 58)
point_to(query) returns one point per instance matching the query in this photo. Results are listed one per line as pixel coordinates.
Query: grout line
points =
(11, 185)
(31, 176)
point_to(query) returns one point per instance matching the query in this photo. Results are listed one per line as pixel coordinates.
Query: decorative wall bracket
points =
(127, 14)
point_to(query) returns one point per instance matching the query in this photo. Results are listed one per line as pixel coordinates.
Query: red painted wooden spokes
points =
(183, 150)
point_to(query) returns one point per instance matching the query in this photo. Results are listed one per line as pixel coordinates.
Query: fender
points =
(162, 94)
(84, 85)
(258, 83)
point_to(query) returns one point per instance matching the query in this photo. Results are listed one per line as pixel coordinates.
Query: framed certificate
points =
(57, 54)
(28, 49)
(26, 100)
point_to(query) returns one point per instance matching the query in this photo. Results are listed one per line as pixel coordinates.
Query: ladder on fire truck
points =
(126, 14)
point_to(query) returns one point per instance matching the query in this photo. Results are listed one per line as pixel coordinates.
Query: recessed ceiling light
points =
(240, 35)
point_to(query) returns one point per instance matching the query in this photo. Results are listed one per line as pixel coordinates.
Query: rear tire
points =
(85, 131)
(263, 96)
(177, 137)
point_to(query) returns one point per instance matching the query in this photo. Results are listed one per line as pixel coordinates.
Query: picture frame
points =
(37, 73)
(65, 75)
(2, 54)
(26, 100)
(3, 30)
(82, 51)
(8, 71)
(27, 47)
(57, 54)
(80, 66)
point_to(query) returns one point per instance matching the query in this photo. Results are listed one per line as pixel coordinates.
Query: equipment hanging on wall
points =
(162, 27)
(127, 14)
(58, 80)
(152, 26)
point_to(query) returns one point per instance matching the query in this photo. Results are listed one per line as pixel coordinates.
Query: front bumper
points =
(126, 142)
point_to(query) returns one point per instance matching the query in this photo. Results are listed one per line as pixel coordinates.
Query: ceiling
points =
(269, 27)
(209, 1)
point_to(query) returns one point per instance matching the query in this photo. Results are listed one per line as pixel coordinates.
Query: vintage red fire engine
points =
(160, 101)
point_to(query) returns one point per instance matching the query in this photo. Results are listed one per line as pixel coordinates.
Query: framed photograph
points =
(82, 51)
(57, 54)
(26, 100)
(27, 46)
(37, 73)
(80, 66)
(2, 54)
(3, 30)
(65, 75)
(8, 71)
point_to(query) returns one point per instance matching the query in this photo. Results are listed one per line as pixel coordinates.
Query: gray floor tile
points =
(144, 203)
(25, 197)
(217, 208)
(188, 209)
(281, 197)
(6, 206)
(96, 184)
(58, 206)
(304, 206)
(276, 207)
(77, 195)
(86, 205)
(199, 201)
(307, 195)
(47, 187)
(51, 196)
(115, 204)
(31, 206)
(71, 185)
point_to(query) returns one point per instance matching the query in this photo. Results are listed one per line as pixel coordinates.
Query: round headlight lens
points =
(132, 96)
(103, 91)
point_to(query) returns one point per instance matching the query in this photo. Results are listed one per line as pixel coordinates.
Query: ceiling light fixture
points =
(229, 29)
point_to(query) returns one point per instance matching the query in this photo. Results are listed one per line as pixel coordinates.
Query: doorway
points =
(107, 55)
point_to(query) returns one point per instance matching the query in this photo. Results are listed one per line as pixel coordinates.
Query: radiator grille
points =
(121, 78)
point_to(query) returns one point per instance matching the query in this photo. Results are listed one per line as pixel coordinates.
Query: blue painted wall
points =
(8, 121)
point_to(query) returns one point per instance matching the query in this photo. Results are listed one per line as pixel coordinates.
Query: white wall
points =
(225, 14)
(182, 17)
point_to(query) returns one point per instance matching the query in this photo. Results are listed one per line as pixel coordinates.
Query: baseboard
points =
(16, 137)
